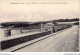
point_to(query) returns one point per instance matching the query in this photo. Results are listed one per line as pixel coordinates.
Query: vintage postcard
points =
(39, 26)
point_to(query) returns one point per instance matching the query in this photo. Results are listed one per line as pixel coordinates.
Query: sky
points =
(38, 10)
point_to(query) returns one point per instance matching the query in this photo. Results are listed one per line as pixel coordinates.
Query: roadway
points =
(64, 41)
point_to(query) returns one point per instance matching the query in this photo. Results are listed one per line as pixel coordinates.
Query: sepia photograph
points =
(39, 26)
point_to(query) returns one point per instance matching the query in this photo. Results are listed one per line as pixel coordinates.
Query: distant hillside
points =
(19, 24)
(67, 20)
(33, 24)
